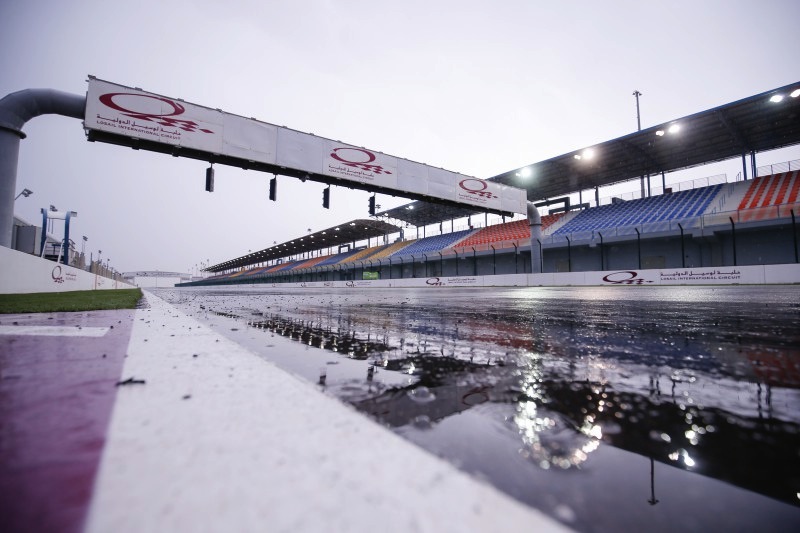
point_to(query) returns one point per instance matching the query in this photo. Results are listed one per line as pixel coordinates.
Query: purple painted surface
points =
(56, 397)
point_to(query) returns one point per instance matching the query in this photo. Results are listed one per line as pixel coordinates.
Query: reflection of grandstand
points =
(712, 222)
(568, 381)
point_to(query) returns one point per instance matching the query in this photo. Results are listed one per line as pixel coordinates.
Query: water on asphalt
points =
(609, 408)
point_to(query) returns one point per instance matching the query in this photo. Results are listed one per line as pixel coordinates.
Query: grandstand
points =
(712, 222)
(572, 240)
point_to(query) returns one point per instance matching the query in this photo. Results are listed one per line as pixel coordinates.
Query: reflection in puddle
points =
(707, 388)
(348, 344)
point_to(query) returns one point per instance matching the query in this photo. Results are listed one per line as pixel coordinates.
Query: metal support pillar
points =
(43, 240)
(474, 262)
(535, 223)
(744, 166)
(66, 247)
(541, 255)
(569, 254)
(602, 253)
(794, 236)
(639, 246)
(15, 110)
(9, 155)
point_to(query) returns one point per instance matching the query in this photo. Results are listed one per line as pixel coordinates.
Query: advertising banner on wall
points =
(677, 276)
(137, 114)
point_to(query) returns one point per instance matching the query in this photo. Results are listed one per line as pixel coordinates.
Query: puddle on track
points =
(666, 408)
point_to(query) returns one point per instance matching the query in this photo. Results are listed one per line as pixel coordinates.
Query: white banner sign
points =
(137, 114)
(358, 164)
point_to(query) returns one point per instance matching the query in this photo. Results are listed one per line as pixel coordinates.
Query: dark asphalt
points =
(610, 408)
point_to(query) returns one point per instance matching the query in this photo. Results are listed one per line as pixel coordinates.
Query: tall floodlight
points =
(25, 193)
(637, 94)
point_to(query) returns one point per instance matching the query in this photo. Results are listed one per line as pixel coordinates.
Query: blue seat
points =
(663, 208)
(432, 244)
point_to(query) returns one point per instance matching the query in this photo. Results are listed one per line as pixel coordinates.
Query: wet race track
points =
(608, 408)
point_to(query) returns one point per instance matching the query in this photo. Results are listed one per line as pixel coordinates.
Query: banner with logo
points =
(359, 164)
(148, 116)
(729, 275)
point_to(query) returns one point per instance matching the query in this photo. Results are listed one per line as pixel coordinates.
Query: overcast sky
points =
(477, 87)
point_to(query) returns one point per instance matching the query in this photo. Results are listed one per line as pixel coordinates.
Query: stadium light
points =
(525, 173)
(672, 128)
(637, 94)
(776, 98)
(795, 93)
(25, 193)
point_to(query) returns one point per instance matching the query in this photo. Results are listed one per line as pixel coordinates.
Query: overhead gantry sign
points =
(132, 117)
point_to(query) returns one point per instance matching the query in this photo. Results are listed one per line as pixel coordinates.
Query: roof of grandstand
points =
(425, 213)
(346, 233)
(754, 124)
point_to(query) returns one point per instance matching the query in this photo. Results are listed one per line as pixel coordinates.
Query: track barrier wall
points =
(22, 273)
(742, 275)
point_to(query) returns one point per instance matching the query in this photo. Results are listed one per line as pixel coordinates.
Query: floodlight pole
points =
(636, 95)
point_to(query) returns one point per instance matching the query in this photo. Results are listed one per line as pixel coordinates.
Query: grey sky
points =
(478, 87)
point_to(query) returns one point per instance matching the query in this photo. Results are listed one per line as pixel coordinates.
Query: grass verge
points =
(51, 302)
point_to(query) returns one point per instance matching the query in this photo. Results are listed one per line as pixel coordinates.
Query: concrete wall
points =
(756, 244)
(744, 275)
(24, 273)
